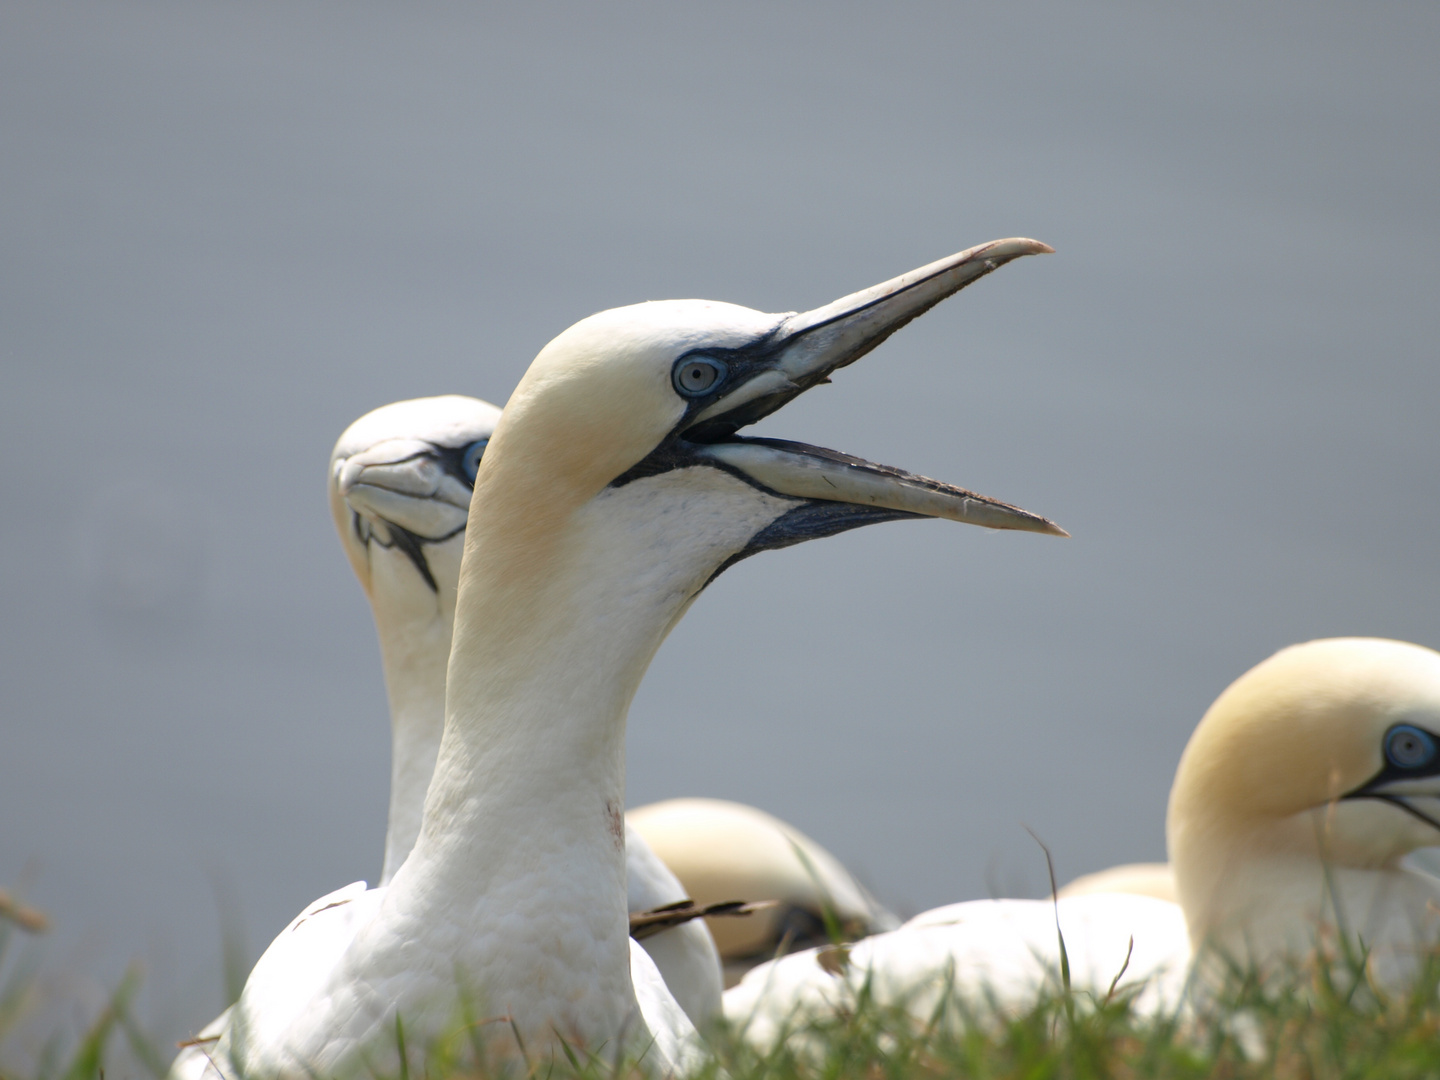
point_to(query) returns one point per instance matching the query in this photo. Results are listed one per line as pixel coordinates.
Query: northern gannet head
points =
(400, 483)
(637, 394)
(1327, 755)
(723, 850)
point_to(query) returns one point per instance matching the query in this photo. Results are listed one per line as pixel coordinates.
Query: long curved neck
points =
(415, 651)
(1229, 870)
(520, 860)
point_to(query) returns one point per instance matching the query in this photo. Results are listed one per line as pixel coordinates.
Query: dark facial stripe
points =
(413, 547)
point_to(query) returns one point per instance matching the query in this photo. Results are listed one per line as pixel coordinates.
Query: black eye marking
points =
(694, 376)
(403, 540)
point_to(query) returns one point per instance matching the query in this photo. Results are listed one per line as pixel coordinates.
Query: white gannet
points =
(1302, 788)
(613, 490)
(724, 850)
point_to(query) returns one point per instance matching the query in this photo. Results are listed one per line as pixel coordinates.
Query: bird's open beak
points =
(403, 483)
(802, 352)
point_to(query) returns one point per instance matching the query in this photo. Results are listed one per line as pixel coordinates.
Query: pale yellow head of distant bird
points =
(1328, 750)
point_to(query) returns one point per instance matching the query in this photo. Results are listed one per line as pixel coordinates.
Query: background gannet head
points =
(723, 850)
(400, 482)
(1324, 756)
(634, 397)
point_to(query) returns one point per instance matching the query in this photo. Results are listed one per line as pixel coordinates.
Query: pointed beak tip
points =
(1044, 527)
(1018, 246)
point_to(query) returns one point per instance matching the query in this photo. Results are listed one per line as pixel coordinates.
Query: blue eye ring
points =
(470, 459)
(1409, 747)
(696, 376)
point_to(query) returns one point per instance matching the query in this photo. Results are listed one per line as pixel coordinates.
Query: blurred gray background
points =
(227, 230)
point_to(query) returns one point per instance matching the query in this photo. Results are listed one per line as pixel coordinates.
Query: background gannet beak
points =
(403, 483)
(806, 347)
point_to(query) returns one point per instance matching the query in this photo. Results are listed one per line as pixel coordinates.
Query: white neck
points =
(415, 654)
(519, 871)
(414, 624)
(1260, 889)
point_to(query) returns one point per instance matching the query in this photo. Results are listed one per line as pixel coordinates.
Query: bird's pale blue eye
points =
(470, 458)
(1409, 747)
(696, 375)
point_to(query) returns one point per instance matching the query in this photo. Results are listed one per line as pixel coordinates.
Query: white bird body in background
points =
(1302, 788)
(990, 953)
(612, 492)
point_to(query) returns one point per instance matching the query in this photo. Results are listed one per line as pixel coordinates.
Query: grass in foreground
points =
(1316, 1023)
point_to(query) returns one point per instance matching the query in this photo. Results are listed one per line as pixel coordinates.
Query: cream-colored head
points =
(1323, 755)
(596, 400)
(729, 851)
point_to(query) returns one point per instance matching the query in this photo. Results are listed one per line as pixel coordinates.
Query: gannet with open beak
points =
(721, 850)
(613, 490)
(1302, 788)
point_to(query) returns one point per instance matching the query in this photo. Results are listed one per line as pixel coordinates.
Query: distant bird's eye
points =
(696, 375)
(1409, 747)
(470, 458)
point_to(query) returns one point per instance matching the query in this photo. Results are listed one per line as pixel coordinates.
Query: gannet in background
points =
(400, 482)
(1306, 783)
(722, 850)
(1302, 788)
(612, 492)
